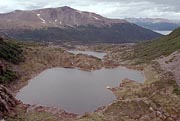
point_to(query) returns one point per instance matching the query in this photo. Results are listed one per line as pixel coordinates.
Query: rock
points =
(7, 101)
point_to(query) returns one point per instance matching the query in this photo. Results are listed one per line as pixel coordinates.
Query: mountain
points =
(53, 17)
(68, 24)
(158, 24)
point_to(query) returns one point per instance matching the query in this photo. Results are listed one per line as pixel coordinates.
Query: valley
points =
(63, 64)
(151, 98)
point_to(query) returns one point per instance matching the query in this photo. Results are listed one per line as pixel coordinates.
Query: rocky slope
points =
(7, 102)
(171, 63)
(68, 24)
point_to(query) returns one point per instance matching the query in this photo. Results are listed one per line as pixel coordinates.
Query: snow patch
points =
(55, 20)
(43, 21)
(60, 22)
(95, 18)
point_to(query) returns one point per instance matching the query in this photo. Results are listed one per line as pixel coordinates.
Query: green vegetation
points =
(30, 116)
(176, 89)
(145, 52)
(8, 76)
(116, 33)
(10, 51)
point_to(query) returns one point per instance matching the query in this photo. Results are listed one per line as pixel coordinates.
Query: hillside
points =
(10, 53)
(160, 47)
(68, 24)
(166, 51)
(116, 33)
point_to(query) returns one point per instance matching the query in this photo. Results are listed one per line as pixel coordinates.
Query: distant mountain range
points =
(68, 24)
(158, 24)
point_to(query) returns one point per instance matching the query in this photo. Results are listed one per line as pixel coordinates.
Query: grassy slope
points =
(166, 45)
(10, 53)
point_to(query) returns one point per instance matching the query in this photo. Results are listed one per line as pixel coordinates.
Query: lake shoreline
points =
(100, 76)
(24, 83)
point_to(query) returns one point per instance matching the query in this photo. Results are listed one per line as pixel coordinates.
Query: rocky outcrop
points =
(7, 101)
(171, 63)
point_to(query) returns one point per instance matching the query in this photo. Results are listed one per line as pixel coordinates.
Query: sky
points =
(168, 9)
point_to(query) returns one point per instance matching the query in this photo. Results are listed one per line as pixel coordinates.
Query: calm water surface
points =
(163, 32)
(95, 54)
(75, 90)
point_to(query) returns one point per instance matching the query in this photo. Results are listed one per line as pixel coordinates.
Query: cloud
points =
(109, 8)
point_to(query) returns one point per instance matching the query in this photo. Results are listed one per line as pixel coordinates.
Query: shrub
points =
(8, 76)
(11, 52)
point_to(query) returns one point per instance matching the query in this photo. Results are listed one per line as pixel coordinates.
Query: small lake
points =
(95, 54)
(163, 32)
(74, 90)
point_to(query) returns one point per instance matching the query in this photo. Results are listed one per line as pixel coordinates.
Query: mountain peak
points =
(66, 7)
(54, 17)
